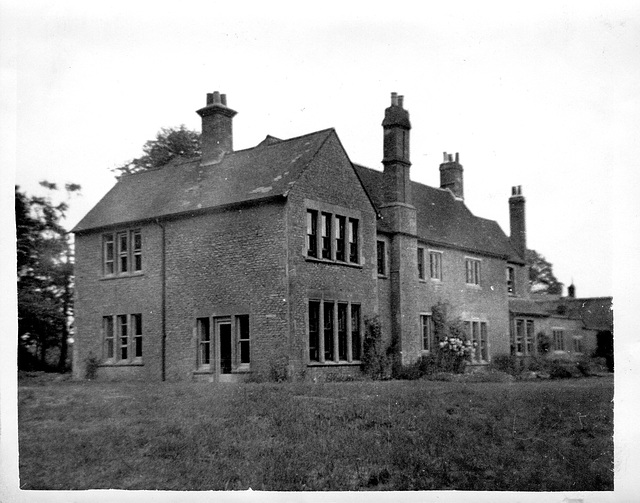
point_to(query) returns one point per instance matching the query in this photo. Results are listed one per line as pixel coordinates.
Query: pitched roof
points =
(527, 307)
(443, 219)
(269, 169)
(596, 313)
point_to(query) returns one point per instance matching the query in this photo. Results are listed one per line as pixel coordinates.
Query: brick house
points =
(269, 260)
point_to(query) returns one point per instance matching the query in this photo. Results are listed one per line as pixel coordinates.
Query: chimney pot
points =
(216, 98)
(401, 101)
(444, 157)
(457, 157)
(209, 99)
(394, 99)
(223, 98)
(450, 157)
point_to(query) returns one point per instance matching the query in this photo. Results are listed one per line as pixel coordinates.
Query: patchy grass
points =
(394, 435)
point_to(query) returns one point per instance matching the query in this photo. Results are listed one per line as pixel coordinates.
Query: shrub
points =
(91, 366)
(505, 363)
(376, 358)
(544, 343)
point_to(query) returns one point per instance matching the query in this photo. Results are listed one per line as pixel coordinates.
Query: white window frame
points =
(477, 356)
(473, 271)
(119, 247)
(333, 354)
(438, 265)
(428, 317)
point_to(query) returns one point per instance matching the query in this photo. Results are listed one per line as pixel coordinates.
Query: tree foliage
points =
(44, 276)
(541, 277)
(169, 144)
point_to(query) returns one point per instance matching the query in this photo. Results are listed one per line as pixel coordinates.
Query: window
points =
(339, 339)
(342, 331)
(355, 332)
(426, 326)
(136, 321)
(341, 229)
(382, 258)
(478, 334)
(354, 252)
(558, 339)
(523, 340)
(122, 252)
(328, 331)
(244, 348)
(421, 263)
(473, 271)
(577, 344)
(435, 265)
(314, 331)
(326, 235)
(204, 342)
(109, 342)
(123, 336)
(108, 248)
(332, 237)
(312, 233)
(511, 280)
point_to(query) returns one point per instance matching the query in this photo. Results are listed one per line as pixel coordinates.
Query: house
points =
(269, 260)
(568, 326)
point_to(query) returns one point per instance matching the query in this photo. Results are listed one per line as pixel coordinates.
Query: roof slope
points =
(596, 313)
(443, 219)
(270, 169)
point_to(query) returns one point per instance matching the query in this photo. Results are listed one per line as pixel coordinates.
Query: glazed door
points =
(224, 336)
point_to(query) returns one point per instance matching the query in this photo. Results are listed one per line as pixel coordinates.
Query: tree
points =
(168, 144)
(541, 277)
(44, 276)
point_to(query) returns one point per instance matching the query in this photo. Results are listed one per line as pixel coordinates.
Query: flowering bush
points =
(454, 353)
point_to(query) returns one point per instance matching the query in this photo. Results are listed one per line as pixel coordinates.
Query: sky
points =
(544, 96)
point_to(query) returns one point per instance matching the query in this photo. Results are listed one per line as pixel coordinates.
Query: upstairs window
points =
(326, 235)
(472, 271)
(341, 236)
(511, 280)
(354, 251)
(382, 258)
(435, 265)
(312, 233)
(421, 263)
(122, 252)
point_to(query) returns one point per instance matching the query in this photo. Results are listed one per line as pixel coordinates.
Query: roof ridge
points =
(280, 142)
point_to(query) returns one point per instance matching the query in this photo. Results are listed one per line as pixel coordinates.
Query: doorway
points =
(224, 332)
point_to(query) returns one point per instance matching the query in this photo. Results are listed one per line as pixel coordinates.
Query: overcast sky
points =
(544, 96)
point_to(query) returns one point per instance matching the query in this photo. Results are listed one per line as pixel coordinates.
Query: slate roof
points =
(595, 312)
(527, 307)
(269, 169)
(443, 219)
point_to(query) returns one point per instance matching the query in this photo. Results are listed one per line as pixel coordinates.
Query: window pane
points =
(353, 241)
(137, 250)
(326, 235)
(109, 251)
(243, 337)
(136, 320)
(123, 252)
(435, 261)
(204, 341)
(123, 332)
(427, 332)
(107, 324)
(328, 331)
(381, 258)
(314, 327)
(484, 343)
(421, 263)
(340, 238)
(355, 332)
(342, 331)
(312, 233)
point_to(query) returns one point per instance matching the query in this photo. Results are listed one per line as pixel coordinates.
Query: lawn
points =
(392, 435)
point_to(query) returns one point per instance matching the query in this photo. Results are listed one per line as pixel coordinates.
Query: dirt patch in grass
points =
(396, 435)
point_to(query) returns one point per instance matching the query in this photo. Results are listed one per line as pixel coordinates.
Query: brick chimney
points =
(517, 220)
(217, 132)
(396, 127)
(451, 175)
(572, 291)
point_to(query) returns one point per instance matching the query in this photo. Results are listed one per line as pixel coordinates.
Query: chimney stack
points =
(517, 221)
(572, 291)
(217, 130)
(451, 175)
(396, 127)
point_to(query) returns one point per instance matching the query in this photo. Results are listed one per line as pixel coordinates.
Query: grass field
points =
(394, 435)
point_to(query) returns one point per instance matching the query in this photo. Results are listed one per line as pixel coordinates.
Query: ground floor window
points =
(558, 339)
(577, 344)
(122, 338)
(478, 334)
(224, 344)
(426, 329)
(338, 338)
(523, 340)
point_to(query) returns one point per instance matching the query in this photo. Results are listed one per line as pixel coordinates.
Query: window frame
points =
(477, 331)
(334, 332)
(122, 253)
(426, 325)
(312, 233)
(381, 257)
(558, 339)
(122, 332)
(511, 280)
(473, 270)
(435, 267)
(333, 234)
